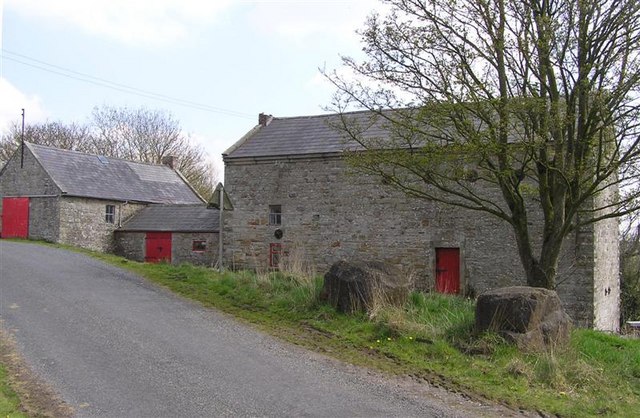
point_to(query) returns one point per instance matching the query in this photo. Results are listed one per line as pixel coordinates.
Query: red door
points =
(158, 247)
(15, 217)
(448, 270)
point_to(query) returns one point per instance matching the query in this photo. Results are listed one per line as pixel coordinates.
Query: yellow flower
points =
(388, 338)
(377, 341)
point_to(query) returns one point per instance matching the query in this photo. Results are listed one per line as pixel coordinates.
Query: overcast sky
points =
(229, 60)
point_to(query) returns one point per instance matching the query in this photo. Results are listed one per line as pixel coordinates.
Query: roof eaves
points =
(183, 231)
(280, 157)
(115, 199)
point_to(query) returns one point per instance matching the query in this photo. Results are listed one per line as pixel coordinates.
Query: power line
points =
(102, 82)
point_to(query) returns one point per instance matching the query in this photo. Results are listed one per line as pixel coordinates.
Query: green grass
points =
(431, 337)
(9, 401)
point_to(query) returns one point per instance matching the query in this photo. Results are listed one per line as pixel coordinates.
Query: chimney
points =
(171, 161)
(264, 120)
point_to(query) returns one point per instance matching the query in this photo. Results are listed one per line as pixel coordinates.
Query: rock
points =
(357, 287)
(531, 317)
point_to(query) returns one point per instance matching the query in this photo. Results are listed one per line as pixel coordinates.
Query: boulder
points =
(530, 317)
(358, 287)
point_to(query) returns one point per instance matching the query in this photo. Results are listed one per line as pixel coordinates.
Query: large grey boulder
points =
(359, 287)
(531, 317)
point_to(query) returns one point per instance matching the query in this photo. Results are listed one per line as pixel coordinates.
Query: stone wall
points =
(44, 218)
(329, 214)
(32, 181)
(83, 222)
(132, 246)
(182, 248)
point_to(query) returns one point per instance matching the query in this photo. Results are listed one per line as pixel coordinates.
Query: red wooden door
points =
(448, 270)
(15, 217)
(158, 247)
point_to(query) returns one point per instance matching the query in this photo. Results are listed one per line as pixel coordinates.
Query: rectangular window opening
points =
(199, 245)
(275, 215)
(110, 214)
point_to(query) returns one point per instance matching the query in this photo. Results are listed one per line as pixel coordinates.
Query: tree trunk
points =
(542, 271)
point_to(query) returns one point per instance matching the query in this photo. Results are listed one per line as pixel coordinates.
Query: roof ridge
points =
(324, 115)
(177, 204)
(95, 155)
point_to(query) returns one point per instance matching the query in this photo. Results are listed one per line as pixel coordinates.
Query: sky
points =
(213, 64)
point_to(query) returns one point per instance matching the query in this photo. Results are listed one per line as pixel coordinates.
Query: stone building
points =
(294, 195)
(171, 233)
(80, 199)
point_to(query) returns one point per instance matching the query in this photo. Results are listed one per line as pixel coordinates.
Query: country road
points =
(112, 345)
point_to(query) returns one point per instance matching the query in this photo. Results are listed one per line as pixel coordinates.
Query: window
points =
(275, 251)
(110, 214)
(275, 215)
(199, 245)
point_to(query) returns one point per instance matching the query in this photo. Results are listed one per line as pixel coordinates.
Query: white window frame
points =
(275, 214)
(110, 214)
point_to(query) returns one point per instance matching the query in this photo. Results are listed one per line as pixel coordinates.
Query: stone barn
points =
(293, 193)
(79, 199)
(172, 233)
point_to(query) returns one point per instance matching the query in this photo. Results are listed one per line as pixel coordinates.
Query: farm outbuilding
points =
(80, 199)
(171, 233)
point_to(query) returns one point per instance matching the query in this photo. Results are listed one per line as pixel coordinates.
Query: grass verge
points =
(9, 401)
(429, 338)
(22, 394)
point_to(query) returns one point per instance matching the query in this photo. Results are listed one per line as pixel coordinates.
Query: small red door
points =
(448, 270)
(15, 217)
(158, 247)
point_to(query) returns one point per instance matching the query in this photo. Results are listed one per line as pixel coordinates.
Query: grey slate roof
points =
(87, 175)
(302, 135)
(174, 218)
(325, 134)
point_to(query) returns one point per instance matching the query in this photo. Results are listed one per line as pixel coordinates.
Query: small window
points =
(275, 215)
(199, 245)
(275, 252)
(110, 214)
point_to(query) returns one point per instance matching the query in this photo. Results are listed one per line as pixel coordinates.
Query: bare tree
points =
(150, 135)
(55, 134)
(507, 107)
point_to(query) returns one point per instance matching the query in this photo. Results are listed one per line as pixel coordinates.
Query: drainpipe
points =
(120, 212)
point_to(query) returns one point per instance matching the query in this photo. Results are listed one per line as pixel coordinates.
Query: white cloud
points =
(12, 101)
(297, 21)
(137, 22)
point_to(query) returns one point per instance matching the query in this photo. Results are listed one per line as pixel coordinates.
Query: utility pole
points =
(220, 228)
(22, 143)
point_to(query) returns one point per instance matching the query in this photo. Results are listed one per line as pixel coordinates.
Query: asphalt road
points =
(114, 345)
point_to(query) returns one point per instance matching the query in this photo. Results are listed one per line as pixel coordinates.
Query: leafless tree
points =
(71, 136)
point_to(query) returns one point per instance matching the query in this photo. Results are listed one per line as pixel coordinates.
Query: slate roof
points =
(174, 218)
(88, 175)
(302, 135)
(325, 134)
